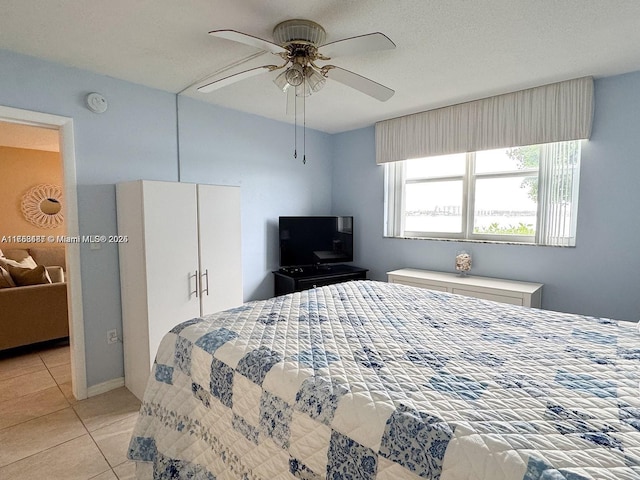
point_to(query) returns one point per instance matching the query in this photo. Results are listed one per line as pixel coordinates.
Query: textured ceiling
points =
(448, 51)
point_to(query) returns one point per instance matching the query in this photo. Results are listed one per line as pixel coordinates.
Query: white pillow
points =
(26, 262)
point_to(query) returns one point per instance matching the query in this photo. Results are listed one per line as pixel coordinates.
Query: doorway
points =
(64, 128)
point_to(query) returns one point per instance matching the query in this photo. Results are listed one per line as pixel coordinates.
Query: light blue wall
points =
(136, 138)
(226, 147)
(600, 276)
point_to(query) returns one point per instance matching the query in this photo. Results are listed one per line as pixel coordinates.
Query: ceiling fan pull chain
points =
(304, 124)
(295, 126)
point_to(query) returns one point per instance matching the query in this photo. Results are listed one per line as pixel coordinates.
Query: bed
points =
(369, 380)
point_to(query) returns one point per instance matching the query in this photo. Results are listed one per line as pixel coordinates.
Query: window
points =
(522, 194)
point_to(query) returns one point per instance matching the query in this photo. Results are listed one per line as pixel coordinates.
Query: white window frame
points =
(395, 180)
(401, 177)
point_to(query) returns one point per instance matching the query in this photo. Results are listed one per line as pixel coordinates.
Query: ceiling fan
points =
(300, 43)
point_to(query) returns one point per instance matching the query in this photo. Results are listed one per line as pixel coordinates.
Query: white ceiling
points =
(448, 51)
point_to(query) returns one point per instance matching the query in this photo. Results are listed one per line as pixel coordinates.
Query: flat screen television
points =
(306, 241)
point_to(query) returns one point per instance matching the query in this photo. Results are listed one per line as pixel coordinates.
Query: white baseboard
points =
(104, 387)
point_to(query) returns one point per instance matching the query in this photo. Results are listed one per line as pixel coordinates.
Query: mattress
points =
(369, 380)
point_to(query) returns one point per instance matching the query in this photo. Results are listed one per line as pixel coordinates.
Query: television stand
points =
(296, 279)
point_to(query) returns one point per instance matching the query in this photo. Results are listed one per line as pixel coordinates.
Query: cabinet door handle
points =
(194, 292)
(206, 289)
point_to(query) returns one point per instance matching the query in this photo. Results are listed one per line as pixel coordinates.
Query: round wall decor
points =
(42, 206)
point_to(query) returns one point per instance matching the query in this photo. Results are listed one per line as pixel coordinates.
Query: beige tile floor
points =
(46, 434)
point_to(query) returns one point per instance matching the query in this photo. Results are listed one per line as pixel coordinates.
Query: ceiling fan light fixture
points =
(281, 81)
(315, 79)
(294, 75)
(303, 90)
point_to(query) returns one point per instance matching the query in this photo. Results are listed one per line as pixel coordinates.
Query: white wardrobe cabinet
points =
(182, 259)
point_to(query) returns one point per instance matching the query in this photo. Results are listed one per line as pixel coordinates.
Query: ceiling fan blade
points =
(355, 45)
(248, 40)
(236, 77)
(363, 84)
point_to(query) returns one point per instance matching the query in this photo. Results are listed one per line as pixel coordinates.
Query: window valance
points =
(551, 113)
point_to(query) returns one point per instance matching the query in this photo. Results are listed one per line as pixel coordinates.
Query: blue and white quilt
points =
(368, 380)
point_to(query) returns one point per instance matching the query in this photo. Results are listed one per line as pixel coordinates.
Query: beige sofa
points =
(35, 313)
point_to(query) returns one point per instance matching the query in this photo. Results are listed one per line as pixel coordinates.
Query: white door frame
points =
(64, 125)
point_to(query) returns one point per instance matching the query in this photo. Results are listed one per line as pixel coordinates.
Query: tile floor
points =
(46, 434)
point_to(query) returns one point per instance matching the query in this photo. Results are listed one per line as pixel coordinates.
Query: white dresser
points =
(505, 291)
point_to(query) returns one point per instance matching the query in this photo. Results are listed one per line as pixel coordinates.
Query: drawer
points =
(319, 282)
(289, 282)
(430, 286)
(322, 281)
(489, 296)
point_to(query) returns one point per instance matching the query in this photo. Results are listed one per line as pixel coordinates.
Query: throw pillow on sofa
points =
(29, 276)
(26, 262)
(5, 279)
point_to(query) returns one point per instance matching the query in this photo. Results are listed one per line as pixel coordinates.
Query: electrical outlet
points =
(112, 336)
